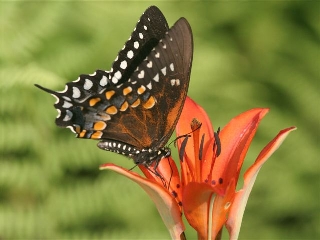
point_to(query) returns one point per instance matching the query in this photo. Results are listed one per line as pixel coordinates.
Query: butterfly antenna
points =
(184, 136)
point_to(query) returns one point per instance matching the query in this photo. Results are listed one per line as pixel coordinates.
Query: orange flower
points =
(209, 178)
(210, 167)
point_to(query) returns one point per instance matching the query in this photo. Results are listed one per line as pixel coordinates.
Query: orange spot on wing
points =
(141, 90)
(127, 90)
(109, 94)
(93, 101)
(82, 134)
(136, 103)
(111, 110)
(124, 106)
(99, 125)
(149, 103)
(96, 135)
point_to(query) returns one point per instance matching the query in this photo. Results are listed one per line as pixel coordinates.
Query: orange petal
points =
(190, 111)
(165, 203)
(235, 139)
(221, 209)
(196, 197)
(240, 201)
(199, 199)
(208, 160)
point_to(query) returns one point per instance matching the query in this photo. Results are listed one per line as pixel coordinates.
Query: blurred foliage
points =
(247, 54)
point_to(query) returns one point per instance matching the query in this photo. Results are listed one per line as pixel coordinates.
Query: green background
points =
(246, 54)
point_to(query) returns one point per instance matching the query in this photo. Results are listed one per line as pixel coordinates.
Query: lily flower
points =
(210, 164)
(210, 168)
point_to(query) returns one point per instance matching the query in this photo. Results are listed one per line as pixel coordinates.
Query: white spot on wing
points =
(157, 55)
(68, 116)
(114, 80)
(66, 104)
(156, 77)
(66, 98)
(149, 86)
(87, 84)
(171, 67)
(130, 54)
(118, 74)
(164, 71)
(175, 82)
(103, 81)
(123, 64)
(136, 44)
(140, 35)
(141, 74)
(149, 64)
(145, 27)
(75, 92)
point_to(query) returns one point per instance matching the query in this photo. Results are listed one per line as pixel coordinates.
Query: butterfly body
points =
(133, 108)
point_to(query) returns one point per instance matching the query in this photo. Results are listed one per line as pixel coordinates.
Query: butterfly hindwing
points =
(150, 28)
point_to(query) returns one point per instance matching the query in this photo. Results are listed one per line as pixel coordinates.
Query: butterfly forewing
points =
(144, 110)
(164, 76)
(151, 27)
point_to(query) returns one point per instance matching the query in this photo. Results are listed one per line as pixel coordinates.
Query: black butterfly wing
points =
(139, 108)
(162, 81)
(151, 27)
(151, 101)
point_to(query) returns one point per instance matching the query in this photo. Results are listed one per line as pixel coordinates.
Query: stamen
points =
(183, 148)
(201, 147)
(217, 143)
(195, 127)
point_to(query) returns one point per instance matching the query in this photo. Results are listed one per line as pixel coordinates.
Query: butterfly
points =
(133, 108)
